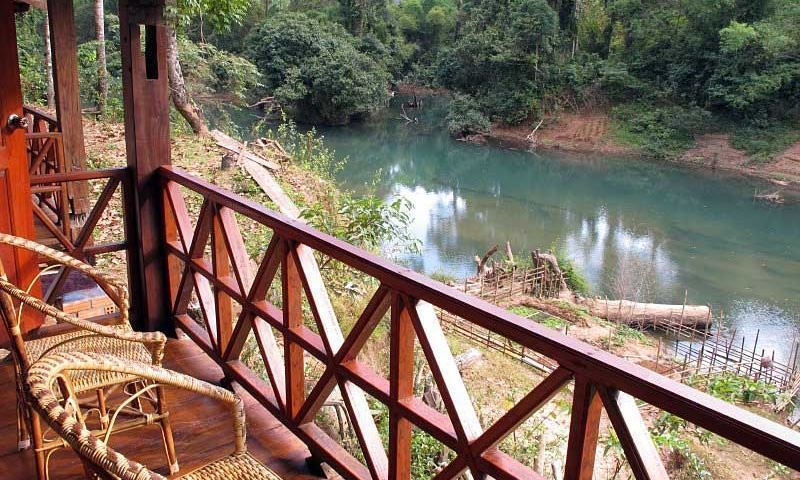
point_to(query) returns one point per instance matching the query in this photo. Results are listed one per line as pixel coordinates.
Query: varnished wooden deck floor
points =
(202, 430)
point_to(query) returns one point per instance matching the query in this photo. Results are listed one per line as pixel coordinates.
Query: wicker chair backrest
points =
(117, 293)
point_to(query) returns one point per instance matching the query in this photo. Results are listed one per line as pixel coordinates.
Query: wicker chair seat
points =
(83, 341)
(240, 466)
(103, 459)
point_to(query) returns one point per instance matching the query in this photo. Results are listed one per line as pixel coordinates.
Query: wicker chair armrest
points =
(154, 341)
(116, 292)
(44, 372)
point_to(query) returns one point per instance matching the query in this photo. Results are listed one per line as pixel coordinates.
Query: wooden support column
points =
(64, 45)
(146, 99)
(16, 216)
(584, 431)
(294, 362)
(401, 388)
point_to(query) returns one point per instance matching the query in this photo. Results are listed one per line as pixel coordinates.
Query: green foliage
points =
(736, 58)
(501, 59)
(464, 118)
(660, 131)
(88, 74)
(367, 222)
(211, 71)
(425, 450)
(315, 70)
(307, 149)
(220, 14)
(537, 316)
(443, 277)
(736, 388)
(762, 142)
(30, 48)
(672, 434)
(576, 281)
(624, 334)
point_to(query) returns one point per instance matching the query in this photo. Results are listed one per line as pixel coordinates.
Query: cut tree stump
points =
(240, 149)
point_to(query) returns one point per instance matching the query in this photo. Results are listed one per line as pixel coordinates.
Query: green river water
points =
(654, 231)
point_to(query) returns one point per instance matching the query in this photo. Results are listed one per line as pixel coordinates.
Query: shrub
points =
(464, 118)
(211, 71)
(572, 274)
(367, 222)
(664, 131)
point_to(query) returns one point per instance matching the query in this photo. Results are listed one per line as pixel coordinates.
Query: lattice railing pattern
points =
(81, 244)
(208, 261)
(45, 148)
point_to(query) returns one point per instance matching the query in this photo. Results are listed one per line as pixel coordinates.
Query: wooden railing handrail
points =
(36, 112)
(79, 244)
(119, 173)
(587, 363)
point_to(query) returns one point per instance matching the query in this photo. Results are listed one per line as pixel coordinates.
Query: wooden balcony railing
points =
(210, 261)
(81, 245)
(45, 146)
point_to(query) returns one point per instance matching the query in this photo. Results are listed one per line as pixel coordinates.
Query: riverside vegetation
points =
(664, 71)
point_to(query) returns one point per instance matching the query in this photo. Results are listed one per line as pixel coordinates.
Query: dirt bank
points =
(714, 151)
(582, 133)
(589, 133)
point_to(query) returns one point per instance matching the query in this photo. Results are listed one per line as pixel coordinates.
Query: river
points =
(652, 230)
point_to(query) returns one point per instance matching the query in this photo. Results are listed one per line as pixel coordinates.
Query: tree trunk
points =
(48, 65)
(177, 86)
(102, 70)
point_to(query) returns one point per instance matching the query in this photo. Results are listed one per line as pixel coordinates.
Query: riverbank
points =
(592, 133)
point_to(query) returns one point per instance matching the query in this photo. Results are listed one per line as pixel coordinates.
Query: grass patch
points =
(539, 317)
(623, 334)
(444, 277)
(661, 131)
(762, 144)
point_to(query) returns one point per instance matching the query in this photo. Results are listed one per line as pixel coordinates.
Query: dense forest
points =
(666, 70)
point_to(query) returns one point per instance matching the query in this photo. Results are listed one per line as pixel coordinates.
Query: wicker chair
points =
(102, 461)
(118, 339)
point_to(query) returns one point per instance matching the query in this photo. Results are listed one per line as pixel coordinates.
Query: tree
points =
(315, 70)
(503, 58)
(102, 69)
(464, 118)
(177, 84)
(219, 13)
(48, 65)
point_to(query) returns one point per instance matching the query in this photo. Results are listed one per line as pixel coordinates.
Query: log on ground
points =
(650, 314)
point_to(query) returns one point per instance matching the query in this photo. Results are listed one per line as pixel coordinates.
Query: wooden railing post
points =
(146, 99)
(584, 431)
(64, 45)
(401, 387)
(15, 211)
(293, 319)
(222, 269)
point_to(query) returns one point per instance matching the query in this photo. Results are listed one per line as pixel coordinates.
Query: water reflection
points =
(650, 230)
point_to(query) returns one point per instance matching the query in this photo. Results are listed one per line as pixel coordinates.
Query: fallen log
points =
(240, 149)
(650, 314)
(774, 197)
